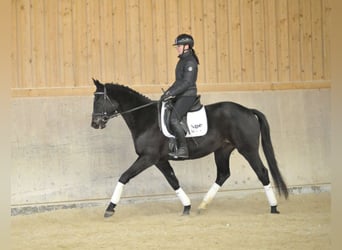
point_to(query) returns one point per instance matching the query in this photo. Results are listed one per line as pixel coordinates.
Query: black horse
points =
(230, 126)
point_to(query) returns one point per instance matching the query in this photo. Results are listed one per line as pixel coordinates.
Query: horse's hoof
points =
(108, 214)
(202, 207)
(200, 210)
(186, 210)
(110, 210)
(274, 210)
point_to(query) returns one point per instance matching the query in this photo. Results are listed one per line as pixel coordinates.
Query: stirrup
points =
(180, 153)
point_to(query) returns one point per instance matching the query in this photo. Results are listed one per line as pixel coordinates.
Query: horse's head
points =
(103, 108)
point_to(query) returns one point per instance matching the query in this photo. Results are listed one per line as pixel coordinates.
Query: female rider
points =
(183, 90)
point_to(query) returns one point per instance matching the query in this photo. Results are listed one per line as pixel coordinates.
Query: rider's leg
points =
(180, 107)
(182, 149)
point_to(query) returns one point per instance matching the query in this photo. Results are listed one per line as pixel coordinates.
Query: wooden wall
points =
(58, 46)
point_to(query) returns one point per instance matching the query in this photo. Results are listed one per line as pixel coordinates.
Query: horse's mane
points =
(126, 89)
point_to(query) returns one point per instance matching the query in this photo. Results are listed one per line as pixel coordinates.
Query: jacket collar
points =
(185, 54)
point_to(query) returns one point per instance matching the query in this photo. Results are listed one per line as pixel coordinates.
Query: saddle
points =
(194, 122)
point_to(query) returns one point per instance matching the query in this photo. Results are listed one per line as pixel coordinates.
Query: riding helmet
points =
(184, 39)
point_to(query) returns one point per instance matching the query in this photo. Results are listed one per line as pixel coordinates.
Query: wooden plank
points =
(14, 54)
(247, 69)
(52, 91)
(24, 52)
(259, 41)
(171, 15)
(223, 65)
(184, 16)
(155, 89)
(159, 50)
(197, 24)
(271, 40)
(306, 40)
(133, 42)
(51, 49)
(80, 46)
(317, 40)
(147, 42)
(235, 40)
(106, 40)
(94, 40)
(283, 41)
(294, 40)
(210, 40)
(66, 43)
(38, 43)
(60, 38)
(264, 86)
(326, 38)
(74, 44)
(120, 42)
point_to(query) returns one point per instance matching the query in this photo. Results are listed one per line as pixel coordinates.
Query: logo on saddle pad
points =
(195, 123)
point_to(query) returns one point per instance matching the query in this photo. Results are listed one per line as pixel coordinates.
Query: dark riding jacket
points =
(186, 76)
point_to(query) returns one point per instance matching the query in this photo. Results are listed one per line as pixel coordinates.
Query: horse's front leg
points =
(142, 163)
(114, 200)
(170, 176)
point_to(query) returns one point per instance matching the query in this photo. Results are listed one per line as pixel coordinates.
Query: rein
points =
(116, 113)
(133, 109)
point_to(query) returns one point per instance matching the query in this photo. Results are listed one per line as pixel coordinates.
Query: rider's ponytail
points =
(194, 53)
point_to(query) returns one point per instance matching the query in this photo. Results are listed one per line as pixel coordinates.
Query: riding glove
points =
(166, 96)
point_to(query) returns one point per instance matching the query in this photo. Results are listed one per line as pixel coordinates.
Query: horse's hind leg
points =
(252, 156)
(170, 176)
(223, 172)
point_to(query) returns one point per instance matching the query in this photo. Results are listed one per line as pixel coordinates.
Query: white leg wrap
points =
(117, 193)
(270, 195)
(209, 196)
(183, 197)
(211, 193)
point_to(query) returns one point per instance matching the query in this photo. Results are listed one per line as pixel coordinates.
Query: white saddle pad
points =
(196, 120)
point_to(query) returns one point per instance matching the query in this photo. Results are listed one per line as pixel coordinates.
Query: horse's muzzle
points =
(99, 122)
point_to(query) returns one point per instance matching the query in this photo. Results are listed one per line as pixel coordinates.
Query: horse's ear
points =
(97, 84)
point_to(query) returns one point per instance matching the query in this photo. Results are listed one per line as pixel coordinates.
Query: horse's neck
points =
(138, 123)
(134, 119)
(129, 100)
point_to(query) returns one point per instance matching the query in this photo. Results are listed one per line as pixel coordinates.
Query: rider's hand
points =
(166, 96)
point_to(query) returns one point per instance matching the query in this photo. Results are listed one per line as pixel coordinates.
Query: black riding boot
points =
(182, 149)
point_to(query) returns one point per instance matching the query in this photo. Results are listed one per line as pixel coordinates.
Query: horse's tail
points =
(269, 153)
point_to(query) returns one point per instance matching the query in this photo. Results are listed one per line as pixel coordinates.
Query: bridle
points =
(104, 114)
